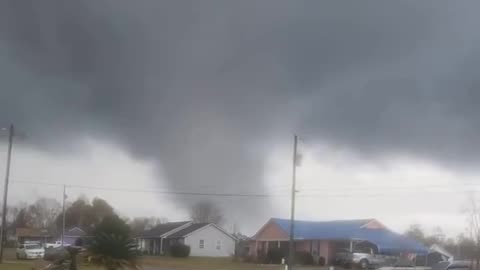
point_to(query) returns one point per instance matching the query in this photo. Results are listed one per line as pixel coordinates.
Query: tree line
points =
(46, 214)
(461, 247)
(466, 246)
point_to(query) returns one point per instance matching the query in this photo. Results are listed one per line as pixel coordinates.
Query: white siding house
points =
(205, 240)
(210, 241)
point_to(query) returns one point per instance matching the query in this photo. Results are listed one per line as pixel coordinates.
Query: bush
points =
(112, 252)
(321, 261)
(179, 250)
(275, 255)
(303, 257)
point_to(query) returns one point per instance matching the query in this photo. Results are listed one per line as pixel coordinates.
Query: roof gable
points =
(271, 231)
(75, 231)
(374, 224)
(194, 227)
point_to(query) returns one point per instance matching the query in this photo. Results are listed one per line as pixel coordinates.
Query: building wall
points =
(210, 235)
(302, 245)
(325, 250)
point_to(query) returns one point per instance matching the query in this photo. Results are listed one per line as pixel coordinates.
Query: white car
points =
(56, 244)
(30, 251)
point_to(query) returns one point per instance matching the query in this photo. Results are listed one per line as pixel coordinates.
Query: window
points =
(218, 246)
(201, 243)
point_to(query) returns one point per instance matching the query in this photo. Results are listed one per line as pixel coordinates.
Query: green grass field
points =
(155, 263)
(11, 263)
(202, 263)
(29, 265)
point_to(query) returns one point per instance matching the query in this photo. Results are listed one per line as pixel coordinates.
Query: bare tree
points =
(206, 212)
(43, 213)
(473, 221)
(415, 231)
(140, 224)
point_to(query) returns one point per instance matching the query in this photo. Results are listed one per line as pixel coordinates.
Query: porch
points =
(154, 246)
(321, 250)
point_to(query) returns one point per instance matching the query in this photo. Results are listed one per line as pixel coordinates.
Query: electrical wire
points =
(300, 194)
(166, 192)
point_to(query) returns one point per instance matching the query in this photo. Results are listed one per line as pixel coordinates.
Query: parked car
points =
(30, 251)
(343, 257)
(55, 244)
(444, 265)
(362, 256)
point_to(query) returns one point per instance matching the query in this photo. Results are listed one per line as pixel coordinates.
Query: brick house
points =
(322, 239)
(23, 235)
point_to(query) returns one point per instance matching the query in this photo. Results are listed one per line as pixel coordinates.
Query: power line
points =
(166, 192)
(370, 187)
(301, 193)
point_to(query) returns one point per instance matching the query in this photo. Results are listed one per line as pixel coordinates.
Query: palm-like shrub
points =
(113, 252)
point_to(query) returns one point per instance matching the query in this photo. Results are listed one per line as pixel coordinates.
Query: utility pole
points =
(63, 212)
(3, 232)
(291, 254)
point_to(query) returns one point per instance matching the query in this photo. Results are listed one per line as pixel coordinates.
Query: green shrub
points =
(275, 255)
(113, 252)
(179, 250)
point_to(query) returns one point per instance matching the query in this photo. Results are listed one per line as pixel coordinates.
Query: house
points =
(153, 241)
(323, 239)
(204, 239)
(75, 236)
(24, 235)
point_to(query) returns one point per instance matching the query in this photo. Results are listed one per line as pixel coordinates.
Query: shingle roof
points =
(161, 229)
(188, 230)
(335, 229)
(386, 240)
(31, 232)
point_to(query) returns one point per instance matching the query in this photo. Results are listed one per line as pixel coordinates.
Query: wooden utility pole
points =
(63, 213)
(291, 254)
(3, 230)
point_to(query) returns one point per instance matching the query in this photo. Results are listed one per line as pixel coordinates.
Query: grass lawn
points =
(202, 263)
(156, 263)
(29, 265)
(11, 263)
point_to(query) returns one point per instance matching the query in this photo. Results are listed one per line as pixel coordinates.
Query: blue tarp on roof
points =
(388, 242)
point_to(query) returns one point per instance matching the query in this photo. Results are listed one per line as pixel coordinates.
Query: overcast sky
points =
(206, 96)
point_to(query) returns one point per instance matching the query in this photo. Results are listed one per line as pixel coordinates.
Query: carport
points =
(390, 243)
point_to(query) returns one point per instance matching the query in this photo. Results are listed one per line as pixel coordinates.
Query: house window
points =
(218, 246)
(201, 243)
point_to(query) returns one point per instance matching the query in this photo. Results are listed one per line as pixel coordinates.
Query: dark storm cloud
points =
(207, 88)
